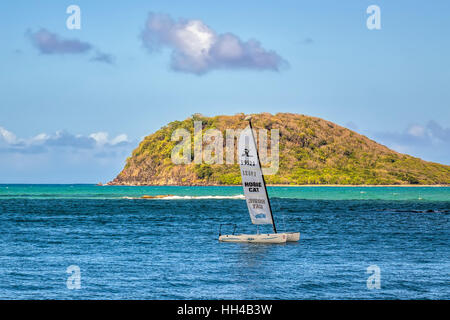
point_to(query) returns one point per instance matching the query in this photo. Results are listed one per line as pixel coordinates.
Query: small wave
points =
(239, 196)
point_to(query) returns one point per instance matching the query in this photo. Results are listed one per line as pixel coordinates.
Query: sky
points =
(74, 103)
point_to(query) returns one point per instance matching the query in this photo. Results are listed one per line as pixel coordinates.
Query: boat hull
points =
(255, 238)
(292, 236)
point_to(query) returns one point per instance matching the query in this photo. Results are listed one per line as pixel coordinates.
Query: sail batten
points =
(253, 182)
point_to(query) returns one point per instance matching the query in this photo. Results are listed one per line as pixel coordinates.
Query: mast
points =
(249, 119)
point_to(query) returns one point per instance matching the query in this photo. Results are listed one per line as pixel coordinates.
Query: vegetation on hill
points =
(312, 151)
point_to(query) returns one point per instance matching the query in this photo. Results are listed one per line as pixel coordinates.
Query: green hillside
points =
(312, 151)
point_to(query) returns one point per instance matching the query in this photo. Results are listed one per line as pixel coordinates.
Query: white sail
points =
(252, 179)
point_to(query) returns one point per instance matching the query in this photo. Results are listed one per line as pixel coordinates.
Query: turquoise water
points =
(132, 248)
(312, 193)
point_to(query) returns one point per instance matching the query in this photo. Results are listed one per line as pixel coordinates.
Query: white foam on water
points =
(239, 196)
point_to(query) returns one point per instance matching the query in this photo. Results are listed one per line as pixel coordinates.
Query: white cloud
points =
(50, 43)
(62, 157)
(102, 138)
(430, 142)
(196, 48)
(416, 130)
(119, 139)
(40, 138)
(43, 141)
(7, 136)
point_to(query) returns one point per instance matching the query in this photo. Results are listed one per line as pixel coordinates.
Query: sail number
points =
(249, 173)
(247, 162)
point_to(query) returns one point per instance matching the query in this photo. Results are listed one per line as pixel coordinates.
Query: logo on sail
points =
(247, 153)
(252, 186)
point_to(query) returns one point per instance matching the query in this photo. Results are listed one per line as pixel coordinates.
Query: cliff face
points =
(312, 151)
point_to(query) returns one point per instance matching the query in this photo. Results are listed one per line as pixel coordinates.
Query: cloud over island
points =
(196, 48)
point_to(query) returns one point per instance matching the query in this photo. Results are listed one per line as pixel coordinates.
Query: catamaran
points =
(255, 192)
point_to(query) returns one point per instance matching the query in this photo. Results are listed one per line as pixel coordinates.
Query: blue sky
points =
(66, 117)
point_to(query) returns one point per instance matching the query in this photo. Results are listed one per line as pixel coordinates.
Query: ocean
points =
(93, 242)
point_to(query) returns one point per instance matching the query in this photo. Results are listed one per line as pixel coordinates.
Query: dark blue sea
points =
(131, 248)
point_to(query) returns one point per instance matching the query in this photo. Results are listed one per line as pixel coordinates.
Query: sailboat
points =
(256, 196)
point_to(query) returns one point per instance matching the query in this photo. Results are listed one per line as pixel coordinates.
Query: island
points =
(312, 151)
